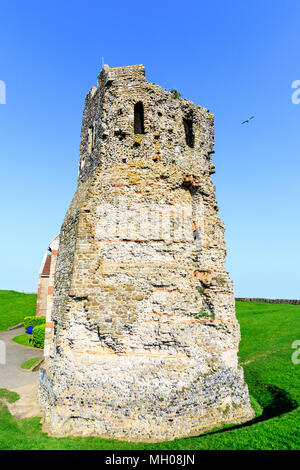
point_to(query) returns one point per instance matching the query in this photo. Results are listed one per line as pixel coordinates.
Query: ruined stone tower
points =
(143, 338)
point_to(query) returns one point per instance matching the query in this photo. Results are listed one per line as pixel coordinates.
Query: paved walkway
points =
(14, 378)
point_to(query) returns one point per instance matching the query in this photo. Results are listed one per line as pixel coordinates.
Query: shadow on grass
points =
(275, 402)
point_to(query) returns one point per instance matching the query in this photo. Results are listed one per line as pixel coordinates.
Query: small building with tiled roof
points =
(46, 279)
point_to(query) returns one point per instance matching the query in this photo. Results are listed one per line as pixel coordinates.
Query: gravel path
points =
(14, 378)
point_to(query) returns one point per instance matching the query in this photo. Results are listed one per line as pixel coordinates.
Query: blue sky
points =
(237, 58)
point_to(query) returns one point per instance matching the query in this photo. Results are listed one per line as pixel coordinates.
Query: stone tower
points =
(144, 336)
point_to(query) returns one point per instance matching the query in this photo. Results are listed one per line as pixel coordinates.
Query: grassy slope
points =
(268, 331)
(8, 396)
(14, 306)
(23, 339)
(28, 364)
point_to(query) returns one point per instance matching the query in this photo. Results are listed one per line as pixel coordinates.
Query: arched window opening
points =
(189, 134)
(139, 118)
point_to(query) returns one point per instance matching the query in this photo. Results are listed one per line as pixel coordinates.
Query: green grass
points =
(14, 306)
(31, 362)
(23, 339)
(8, 396)
(268, 331)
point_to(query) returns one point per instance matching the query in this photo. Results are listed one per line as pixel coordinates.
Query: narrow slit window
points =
(139, 118)
(91, 139)
(189, 134)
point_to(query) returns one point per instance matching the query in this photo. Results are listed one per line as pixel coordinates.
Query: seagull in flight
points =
(248, 120)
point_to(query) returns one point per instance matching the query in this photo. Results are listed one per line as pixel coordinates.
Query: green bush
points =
(39, 336)
(33, 321)
(175, 93)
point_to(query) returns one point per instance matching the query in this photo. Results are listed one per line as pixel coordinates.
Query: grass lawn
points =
(23, 339)
(28, 364)
(8, 396)
(14, 306)
(268, 331)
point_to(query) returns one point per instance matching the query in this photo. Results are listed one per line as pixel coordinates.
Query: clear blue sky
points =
(237, 58)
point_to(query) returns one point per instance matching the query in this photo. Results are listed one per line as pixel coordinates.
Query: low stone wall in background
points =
(269, 301)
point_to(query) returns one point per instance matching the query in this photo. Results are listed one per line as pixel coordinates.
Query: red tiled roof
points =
(46, 268)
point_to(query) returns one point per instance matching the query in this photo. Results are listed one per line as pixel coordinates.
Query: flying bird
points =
(247, 120)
